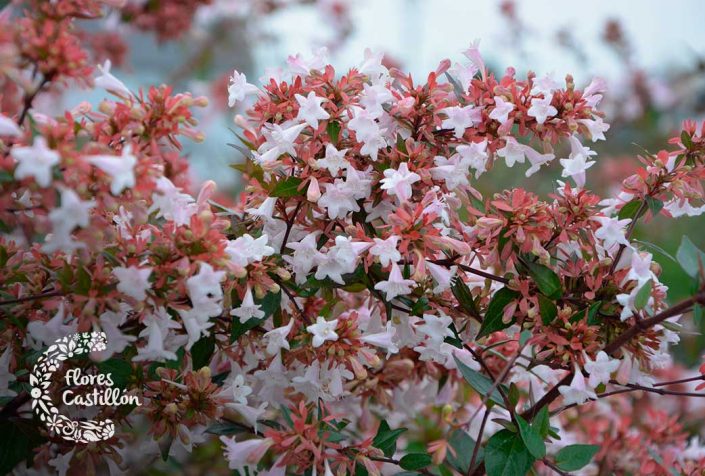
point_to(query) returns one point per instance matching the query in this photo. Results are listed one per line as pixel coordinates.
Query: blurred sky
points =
(422, 32)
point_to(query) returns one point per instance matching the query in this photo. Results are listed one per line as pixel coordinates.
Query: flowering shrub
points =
(361, 308)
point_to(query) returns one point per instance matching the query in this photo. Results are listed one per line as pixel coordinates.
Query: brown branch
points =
(550, 396)
(643, 324)
(471, 270)
(28, 100)
(478, 441)
(32, 298)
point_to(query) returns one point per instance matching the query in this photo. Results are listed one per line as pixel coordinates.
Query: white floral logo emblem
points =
(41, 379)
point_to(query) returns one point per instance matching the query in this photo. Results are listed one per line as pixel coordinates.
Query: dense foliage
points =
(361, 308)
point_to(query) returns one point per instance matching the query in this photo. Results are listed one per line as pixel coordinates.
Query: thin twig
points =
(32, 298)
(478, 441)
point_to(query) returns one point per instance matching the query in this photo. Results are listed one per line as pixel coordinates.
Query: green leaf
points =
(655, 205)
(270, 305)
(463, 444)
(643, 295)
(120, 371)
(524, 336)
(333, 129)
(227, 428)
(493, 317)
(686, 140)
(83, 281)
(464, 297)
(531, 437)
(289, 187)
(690, 257)
(19, 438)
(629, 210)
(386, 438)
(548, 309)
(548, 282)
(574, 457)
(593, 318)
(414, 461)
(480, 383)
(541, 422)
(202, 351)
(506, 455)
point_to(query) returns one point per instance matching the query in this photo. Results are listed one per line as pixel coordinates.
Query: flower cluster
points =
(361, 293)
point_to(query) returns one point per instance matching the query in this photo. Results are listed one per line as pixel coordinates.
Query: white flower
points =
(276, 339)
(109, 82)
(460, 118)
(196, 322)
(577, 163)
(239, 88)
(310, 110)
(237, 391)
(62, 462)
(640, 269)
(372, 65)
(305, 256)
(612, 231)
(6, 377)
(8, 127)
(398, 182)
(453, 170)
(463, 74)
(247, 309)
(436, 328)
(334, 160)
(121, 169)
(133, 281)
(340, 259)
(678, 208)
(546, 85)
(367, 132)
(592, 94)
(600, 369)
(596, 127)
(373, 97)
(695, 450)
(442, 275)
(577, 392)
(244, 455)
(46, 333)
(541, 109)
(323, 330)
(265, 209)
(246, 249)
(171, 203)
(73, 212)
(281, 138)
(536, 160)
(156, 329)
(383, 339)
(475, 155)
(512, 152)
(501, 110)
(204, 288)
(338, 199)
(386, 250)
(300, 65)
(35, 161)
(395, 285)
